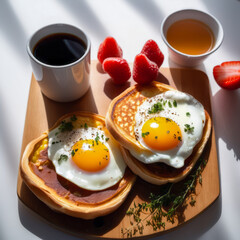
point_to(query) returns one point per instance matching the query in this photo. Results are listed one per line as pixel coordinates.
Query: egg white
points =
(62, 142)
(188, 111)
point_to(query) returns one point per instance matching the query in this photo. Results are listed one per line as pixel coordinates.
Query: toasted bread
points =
(53, 191)
(120, 121)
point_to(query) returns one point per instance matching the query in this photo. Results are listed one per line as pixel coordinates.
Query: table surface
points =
(132, 23)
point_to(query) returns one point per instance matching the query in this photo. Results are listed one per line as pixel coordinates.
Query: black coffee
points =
(59, 49)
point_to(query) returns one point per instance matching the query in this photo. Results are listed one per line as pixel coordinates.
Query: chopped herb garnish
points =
(188, 114)
(62, 158)
(156, 137)
(157, 107)
(174, 103)
(106, 139)
(169, 104)
(73, 118)
(168, 120)
(73, 153)
(188, 128)
(65, 126)
(85, 126)
(179, 138)
(97, 138)
(145, 134)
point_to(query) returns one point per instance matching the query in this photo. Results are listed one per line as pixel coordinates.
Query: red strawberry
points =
(118, 69)
(144, 70)
(227, 75)
(153, 52)
(109, 48)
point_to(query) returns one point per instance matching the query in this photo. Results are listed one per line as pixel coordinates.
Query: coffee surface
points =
(59, 49)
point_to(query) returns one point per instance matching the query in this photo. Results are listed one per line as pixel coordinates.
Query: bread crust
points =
(59, 203)
(128, 142)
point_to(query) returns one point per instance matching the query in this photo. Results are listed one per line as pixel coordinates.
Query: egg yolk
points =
(161, 133)
(90, 155)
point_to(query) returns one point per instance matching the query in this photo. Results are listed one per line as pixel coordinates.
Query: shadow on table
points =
(55, 110)
(227, 14)
(191, 230)
(84, 14)
(199, 225)
(12, 28)
(33, 223)
(44, 222)
(226, 106)
(150, 10)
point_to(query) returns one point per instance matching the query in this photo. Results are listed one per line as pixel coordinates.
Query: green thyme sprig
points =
(163, 207)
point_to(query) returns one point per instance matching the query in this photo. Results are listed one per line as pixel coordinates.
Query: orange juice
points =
(191, 37)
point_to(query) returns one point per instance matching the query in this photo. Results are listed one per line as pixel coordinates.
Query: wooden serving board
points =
(42, 113)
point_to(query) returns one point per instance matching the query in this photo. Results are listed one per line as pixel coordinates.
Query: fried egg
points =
(168, 126)
(85, 155)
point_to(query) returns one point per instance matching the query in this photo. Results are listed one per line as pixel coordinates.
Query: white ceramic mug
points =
(186, 59)
(63, 83)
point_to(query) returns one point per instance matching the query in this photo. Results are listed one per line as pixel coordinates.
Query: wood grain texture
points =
(42, 113)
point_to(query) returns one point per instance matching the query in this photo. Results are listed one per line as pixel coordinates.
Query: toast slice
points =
(120, 121)
(60, 194)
